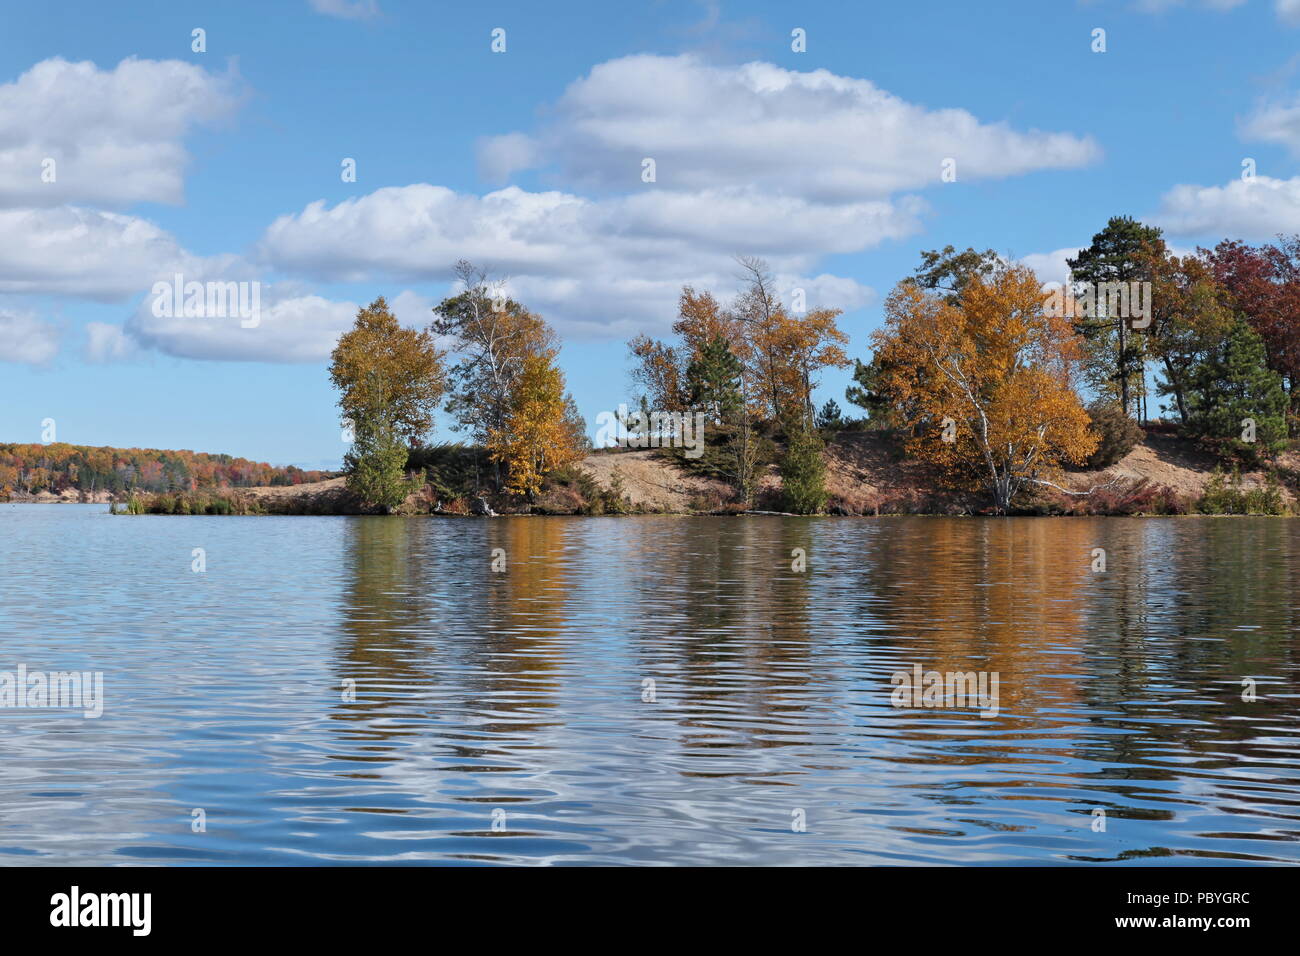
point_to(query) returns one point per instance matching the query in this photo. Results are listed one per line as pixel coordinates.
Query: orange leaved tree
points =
(538, 435)
(985, 382)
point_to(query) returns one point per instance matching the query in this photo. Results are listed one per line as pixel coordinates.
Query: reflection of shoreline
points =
(430, 633)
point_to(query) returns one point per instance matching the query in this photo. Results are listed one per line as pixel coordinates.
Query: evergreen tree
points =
(865, 392)
(830, 417)
(948, 271)
(1116, 358)
(1231, 388)
(803, 472)
(713, 380)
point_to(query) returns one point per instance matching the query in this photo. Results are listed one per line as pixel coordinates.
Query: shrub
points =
(1226, 495)
(585, 495)
(453, 469)
(1117, 433)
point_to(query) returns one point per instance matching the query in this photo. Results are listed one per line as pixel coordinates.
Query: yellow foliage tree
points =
(781, 353)
(784, 352)
(538, 435)
(986, 383)
(379, 365)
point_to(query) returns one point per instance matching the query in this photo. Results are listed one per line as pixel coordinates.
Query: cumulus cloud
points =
(290, 327)
(26, 339)
(106, 342)
(1275, 123)
(616, 261)
(114, 136)
(1256, 209)
(418, 231)
(1288, 11)
(70, 250)
(816, 135)
(752, 160)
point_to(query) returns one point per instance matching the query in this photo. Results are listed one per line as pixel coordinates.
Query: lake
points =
(650, 690)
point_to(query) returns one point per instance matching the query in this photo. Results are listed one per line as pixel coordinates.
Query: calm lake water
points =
(500, 717)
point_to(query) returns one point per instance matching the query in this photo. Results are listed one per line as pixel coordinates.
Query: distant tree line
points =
(56, 467)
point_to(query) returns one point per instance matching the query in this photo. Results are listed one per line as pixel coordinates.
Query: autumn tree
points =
(493, 336)
(786, 352)
(536, 436)
(986, 382)
(662, 371)
(1264, 282)
(1190, 313)
(378, 364)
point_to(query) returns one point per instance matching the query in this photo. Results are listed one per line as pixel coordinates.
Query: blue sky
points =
(225, 166)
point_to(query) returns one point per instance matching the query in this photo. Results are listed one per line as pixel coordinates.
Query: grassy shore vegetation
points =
(189, 503)
(988, 387)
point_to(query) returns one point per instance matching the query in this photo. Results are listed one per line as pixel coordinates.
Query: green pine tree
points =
(803, 472)
(713, 380)
(1233, 392)
(1116, 354)
(829, 417)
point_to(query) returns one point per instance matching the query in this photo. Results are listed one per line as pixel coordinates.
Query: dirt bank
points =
(865, 474)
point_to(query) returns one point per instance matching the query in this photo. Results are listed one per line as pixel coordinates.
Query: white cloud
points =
(501, 156)
(27, 340)
(69, 250)
(596, 266)
(1288, 11)
(414, 311)
(106, 342)
(114, 135)
(1276, 123)
(816, 135)
(292, 327)
(1258, 209)
(1051, 266)
(347, 9)
(418, 231)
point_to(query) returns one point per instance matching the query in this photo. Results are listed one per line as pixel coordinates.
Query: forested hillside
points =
(34, 468)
